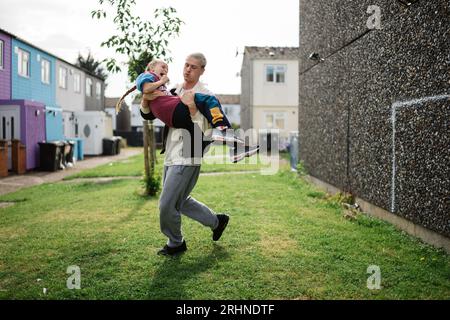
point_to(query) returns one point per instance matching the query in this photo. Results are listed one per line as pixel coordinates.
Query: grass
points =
(285, 240)
(216, 160)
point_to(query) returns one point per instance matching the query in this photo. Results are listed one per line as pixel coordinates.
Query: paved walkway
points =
(15, 182)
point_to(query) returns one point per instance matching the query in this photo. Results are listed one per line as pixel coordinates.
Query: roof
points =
(111, 102)
(49, 53)
(229, 98)
(288, 53)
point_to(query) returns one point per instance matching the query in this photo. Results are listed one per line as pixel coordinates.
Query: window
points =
(63, 77)
(269, 121)
(2, 45)
(45, 71)
(77, 82)
(98, 90)
(275, 120)
(275, 73)
(89, 87)
(24, 63)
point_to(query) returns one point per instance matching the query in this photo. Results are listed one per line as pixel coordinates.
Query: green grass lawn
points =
(216, 160)
(285, 240)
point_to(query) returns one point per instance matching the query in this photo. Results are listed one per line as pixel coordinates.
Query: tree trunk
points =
(152, 147)
(146, 147)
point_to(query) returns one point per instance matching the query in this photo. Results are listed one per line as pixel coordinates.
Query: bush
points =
(152, 184)
(301, 171)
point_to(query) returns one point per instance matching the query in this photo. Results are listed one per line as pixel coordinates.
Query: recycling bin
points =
(51, 155)
(78, 153)
(109, 146)
(118, 141)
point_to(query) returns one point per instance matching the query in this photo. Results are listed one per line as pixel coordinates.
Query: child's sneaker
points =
(220, 134)
(237, 154)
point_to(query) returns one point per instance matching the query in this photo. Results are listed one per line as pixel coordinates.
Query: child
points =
(170, 109)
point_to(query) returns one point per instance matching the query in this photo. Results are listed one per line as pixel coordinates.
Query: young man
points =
(181, 172)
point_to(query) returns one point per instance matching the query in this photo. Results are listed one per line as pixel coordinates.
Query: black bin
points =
(109, 146)
(117, 140)
(51, 155)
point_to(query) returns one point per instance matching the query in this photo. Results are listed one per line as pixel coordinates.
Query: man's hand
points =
(188, 99)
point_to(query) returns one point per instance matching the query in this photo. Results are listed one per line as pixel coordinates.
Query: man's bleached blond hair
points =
(200, 57)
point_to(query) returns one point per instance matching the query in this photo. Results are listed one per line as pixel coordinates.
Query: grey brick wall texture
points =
(374, 115)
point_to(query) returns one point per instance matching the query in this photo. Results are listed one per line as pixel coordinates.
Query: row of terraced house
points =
(45, 98)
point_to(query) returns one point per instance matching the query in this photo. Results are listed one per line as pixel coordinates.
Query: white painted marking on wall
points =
(394, 168)
(394, 107)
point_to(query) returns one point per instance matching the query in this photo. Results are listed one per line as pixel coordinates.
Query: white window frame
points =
(88, 87)
(277, 69)
(275, 116)
(63, 77)
(20, 68)
(98, 90)
(2, 55)
(45, 71)
(77, 82)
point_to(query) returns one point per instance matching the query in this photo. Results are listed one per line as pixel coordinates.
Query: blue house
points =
(33, 78)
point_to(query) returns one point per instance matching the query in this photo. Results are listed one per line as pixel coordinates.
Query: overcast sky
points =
(216, 28)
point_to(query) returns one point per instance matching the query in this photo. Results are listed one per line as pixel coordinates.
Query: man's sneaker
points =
(220, 135)
(223, 221)
(237, 154)
(171, 251)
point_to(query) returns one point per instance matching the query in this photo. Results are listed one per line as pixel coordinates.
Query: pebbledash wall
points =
(374, 113)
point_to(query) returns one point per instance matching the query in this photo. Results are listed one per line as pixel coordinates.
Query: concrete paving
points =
(15, 182)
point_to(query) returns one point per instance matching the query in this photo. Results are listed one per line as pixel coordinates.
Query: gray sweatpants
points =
(178, 182)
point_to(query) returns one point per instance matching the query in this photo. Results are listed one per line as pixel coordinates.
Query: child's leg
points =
(145, 104)
(182, 120)
(210, 107)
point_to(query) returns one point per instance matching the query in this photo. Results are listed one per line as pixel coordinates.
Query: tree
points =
(91, 65)
(139, 42)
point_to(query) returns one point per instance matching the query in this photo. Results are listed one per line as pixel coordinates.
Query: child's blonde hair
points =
(150, 66)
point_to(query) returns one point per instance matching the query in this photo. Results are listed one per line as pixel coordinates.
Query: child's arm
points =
(149, 87)
(146, 83)
(146, 107)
